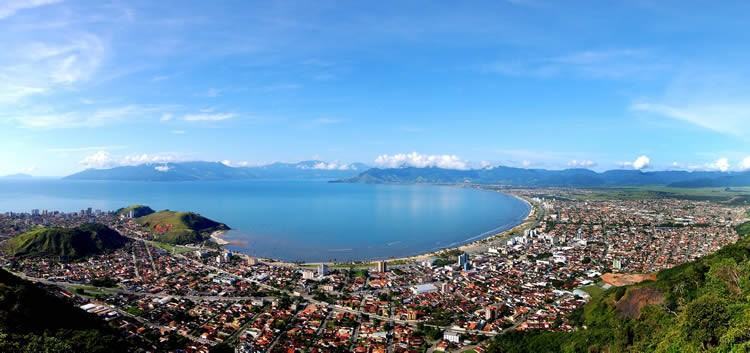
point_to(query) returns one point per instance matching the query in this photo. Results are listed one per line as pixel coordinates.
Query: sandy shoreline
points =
(473, 247)
(216, 237)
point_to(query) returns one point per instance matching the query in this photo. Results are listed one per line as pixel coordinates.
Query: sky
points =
(637, 84)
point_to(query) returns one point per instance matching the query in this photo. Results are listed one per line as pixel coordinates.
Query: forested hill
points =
(32, 321)
(701, 306)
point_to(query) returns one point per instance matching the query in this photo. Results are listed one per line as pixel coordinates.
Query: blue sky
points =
(536, 83)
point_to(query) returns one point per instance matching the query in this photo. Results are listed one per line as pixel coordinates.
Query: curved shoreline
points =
(469, 246)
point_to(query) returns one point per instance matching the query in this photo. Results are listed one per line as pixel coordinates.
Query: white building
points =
(452, 336)
(424, 288)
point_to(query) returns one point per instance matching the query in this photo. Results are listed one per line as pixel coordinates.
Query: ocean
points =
(297, 220)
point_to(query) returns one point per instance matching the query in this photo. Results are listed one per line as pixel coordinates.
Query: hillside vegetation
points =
(180, 227)
(138, 211)
(65, 243)
(701, 306)
(32, 320)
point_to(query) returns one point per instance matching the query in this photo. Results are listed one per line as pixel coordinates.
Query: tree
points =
(705, 320)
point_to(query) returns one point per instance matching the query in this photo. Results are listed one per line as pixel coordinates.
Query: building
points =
(617, 264)
(452, 337)
(463, 259)
(489, 313)
(323, 270)
(308, 274)
(424, 288)
(382, 267)
(411, 315)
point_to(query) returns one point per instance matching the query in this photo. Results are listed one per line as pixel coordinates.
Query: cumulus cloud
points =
(584, 163)
(745, 164)
(721, 164)
(640, 163)
(331, 166)
(418, 160)
(100, 159)
(229, 163)
(103, 159)
(162, 168)
(147, 158)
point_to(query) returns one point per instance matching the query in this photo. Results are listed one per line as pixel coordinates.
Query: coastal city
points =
(195, 297)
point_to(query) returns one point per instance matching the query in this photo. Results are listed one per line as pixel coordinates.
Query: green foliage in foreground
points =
(65, 243)
(180, 227)
(705, 307)
(31, 320)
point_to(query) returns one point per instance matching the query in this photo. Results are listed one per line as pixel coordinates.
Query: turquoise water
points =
(298, 220)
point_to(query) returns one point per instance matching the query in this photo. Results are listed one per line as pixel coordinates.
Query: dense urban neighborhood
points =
(201, 297)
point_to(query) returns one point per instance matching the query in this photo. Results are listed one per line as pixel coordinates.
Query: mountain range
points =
(360, 173)
(521, 177)
(195, 171)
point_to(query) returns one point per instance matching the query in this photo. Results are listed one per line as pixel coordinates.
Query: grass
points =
(661, 192)
(180, 227)
(172, 249)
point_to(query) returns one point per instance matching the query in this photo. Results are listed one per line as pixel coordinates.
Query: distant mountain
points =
(17, 176)
(551, 178)
(196, 171)
(65, 243)
(307, 170)
(185, 171)
(180, 227)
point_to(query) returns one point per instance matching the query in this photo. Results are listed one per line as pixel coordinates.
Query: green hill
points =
(65, 243)
(138, 211)
(180, 227)
(700, 306)
(31, 320)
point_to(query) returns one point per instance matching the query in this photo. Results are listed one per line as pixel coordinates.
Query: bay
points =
(298, 220)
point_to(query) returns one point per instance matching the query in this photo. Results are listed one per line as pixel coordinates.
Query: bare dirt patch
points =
(635, 299)
(622, 279)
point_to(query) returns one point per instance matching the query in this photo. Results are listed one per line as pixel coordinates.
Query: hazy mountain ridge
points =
(197, 171)
(553, 178)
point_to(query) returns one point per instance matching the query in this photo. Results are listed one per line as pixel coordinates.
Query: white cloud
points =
(10, 7)
(599, 64)
(77, 119)
(145, 158)
(212, 93)
(584, 163)
(208, 116)
(726, 118)
(745, 164)
(642, 162)
(162, 168)
(417, 160)
(715, 99)
(331, 166)
(100, 159)
(327, 121)
(178, 132)
(721, 164)
(40, 67)
(229, 163)
(166, 117)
